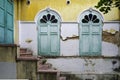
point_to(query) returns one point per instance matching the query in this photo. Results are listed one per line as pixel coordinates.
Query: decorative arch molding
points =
(47, 10)
(90, 10)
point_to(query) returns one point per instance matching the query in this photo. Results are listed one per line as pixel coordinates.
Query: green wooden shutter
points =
(54, 39)
(85, 39)
(6, 22)
(95, 39)
(48, 36)
(90, 34)
(9, 22)
(43, 39)
(2, 21)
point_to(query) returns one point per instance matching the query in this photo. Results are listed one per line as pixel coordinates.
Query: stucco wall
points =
(70, 47)
(26, 13)
(28, 31)
(83, 65)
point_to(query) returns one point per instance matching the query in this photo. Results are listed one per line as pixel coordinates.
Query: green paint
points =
(6, 21)
(90, 34)
(48, 35)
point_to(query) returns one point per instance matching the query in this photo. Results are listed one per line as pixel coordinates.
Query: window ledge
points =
(9, 45)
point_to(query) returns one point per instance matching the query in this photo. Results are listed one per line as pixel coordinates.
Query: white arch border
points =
(44, 10)
(90, 9)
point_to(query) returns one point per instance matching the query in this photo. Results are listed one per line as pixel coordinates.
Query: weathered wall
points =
(47, 76)
(84, 65)
(8, 62)
(69, 43)
(70, 47)
(75, 7)
(27, 70)
(7, 54)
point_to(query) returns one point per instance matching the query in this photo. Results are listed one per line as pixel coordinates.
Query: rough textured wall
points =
(74, 8)
(69, 37)
(111, 38)
(27, 70)
(7, 54)
(47, 76)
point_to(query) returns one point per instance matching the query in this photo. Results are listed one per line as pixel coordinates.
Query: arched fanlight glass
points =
(47, 18)
(90, 17)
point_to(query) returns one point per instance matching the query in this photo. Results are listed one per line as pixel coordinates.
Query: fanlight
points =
(90, 17)
(47, 18)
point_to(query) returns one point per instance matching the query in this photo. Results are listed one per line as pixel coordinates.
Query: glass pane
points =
(90, 16)
(54, 21)
(48, 16)
(96, 21)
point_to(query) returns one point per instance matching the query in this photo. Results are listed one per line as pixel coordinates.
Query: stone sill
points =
(9, 45)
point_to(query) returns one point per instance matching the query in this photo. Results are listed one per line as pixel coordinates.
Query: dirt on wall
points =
(111, 38)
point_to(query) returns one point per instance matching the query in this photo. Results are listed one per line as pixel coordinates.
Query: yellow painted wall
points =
(16, 18)
(68, 12)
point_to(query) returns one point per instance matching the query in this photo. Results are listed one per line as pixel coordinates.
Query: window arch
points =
(48, 33)
(90, 17)
(47, 18)
(90, 26)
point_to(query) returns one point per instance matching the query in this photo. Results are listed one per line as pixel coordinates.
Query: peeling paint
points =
(67, 38)
(111, 38)
(112, 31)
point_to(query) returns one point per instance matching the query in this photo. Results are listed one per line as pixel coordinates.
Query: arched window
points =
(90, 26)
(48, 33)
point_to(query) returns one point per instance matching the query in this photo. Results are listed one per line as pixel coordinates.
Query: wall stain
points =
(111, 38)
